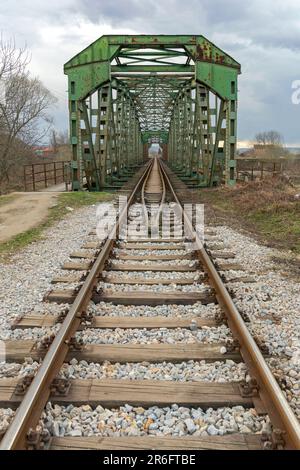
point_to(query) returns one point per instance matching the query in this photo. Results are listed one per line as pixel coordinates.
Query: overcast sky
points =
(263, 35)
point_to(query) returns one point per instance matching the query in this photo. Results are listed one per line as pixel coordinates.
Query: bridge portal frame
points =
(197, 120)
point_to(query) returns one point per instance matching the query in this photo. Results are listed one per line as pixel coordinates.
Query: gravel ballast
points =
(154, 336)
(26, 278)
(179, 311)
(272, 305)
(155, 421)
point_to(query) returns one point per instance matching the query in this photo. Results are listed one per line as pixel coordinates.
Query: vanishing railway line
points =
(125, 262)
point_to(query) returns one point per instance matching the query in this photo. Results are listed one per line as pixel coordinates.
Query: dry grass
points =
(267, 208)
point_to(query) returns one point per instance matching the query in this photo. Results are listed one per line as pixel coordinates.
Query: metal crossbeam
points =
(127, 92)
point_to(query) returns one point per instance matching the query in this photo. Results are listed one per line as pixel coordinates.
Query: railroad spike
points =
(244, 316)
(60, 387)
(86, 317)
(38, 439)
(45, 343)
(232, 345)
(273, 440)
(262, 345)
(249, 388)
(220, 318)
(74, 344)
(62, 315)
(23, 384)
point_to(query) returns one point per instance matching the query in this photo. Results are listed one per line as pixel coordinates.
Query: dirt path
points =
(23, 211)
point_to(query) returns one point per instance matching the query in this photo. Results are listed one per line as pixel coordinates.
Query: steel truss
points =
(127, 92)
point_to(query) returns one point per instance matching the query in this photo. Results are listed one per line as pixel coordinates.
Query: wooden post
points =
(45, 174)
(25, 186)
(64, 175)
(261, 170)
(33, 177)
(55, 179)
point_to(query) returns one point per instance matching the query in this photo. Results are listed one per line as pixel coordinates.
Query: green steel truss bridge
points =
(128, 92)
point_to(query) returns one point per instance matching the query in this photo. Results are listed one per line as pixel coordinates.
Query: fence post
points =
(64, 175)
(45, 173)
(33, 177)
(55, 180)
(261, 170)
(25, 186)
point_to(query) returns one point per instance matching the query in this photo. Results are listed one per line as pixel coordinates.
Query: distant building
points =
(43, 151)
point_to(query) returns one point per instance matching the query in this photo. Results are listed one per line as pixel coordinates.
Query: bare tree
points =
(57, 139)
(53, 140)
(13, 61)
(269, 138)
(24, 118)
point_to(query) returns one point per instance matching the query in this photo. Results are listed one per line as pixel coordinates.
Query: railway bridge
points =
(129, 92)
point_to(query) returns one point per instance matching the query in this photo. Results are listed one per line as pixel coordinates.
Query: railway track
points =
(126, 274)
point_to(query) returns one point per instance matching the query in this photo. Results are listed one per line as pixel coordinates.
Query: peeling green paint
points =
(152, 88)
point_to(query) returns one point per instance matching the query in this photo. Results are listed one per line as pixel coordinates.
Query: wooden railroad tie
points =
(234, 441)
(70, 266)
(39, 321)
(83, 255)
(111, 393)
(16, 351)
(68, 296)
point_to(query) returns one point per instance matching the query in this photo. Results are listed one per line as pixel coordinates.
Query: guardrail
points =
(260, 168)
(38, 176)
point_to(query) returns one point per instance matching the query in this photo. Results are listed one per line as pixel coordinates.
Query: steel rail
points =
(164, 191)
(162, 200)
(276, 405)
(31, 408)
(143, 198)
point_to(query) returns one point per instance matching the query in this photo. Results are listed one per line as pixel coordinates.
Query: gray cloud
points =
(122, 11)
(264, 36)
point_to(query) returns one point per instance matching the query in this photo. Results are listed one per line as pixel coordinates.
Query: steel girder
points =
(126, 92)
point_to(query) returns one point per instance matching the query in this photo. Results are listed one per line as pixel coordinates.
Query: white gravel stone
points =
(26, 277)
(30, 333)
(272, 305)
(6, 417)
(156, 335)
(137, 421)
(195, 287)
(8, 370)
(193, 276)
(287, 373)
(176, 262)
(118, 252)
(179, 311)
(194, 371)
